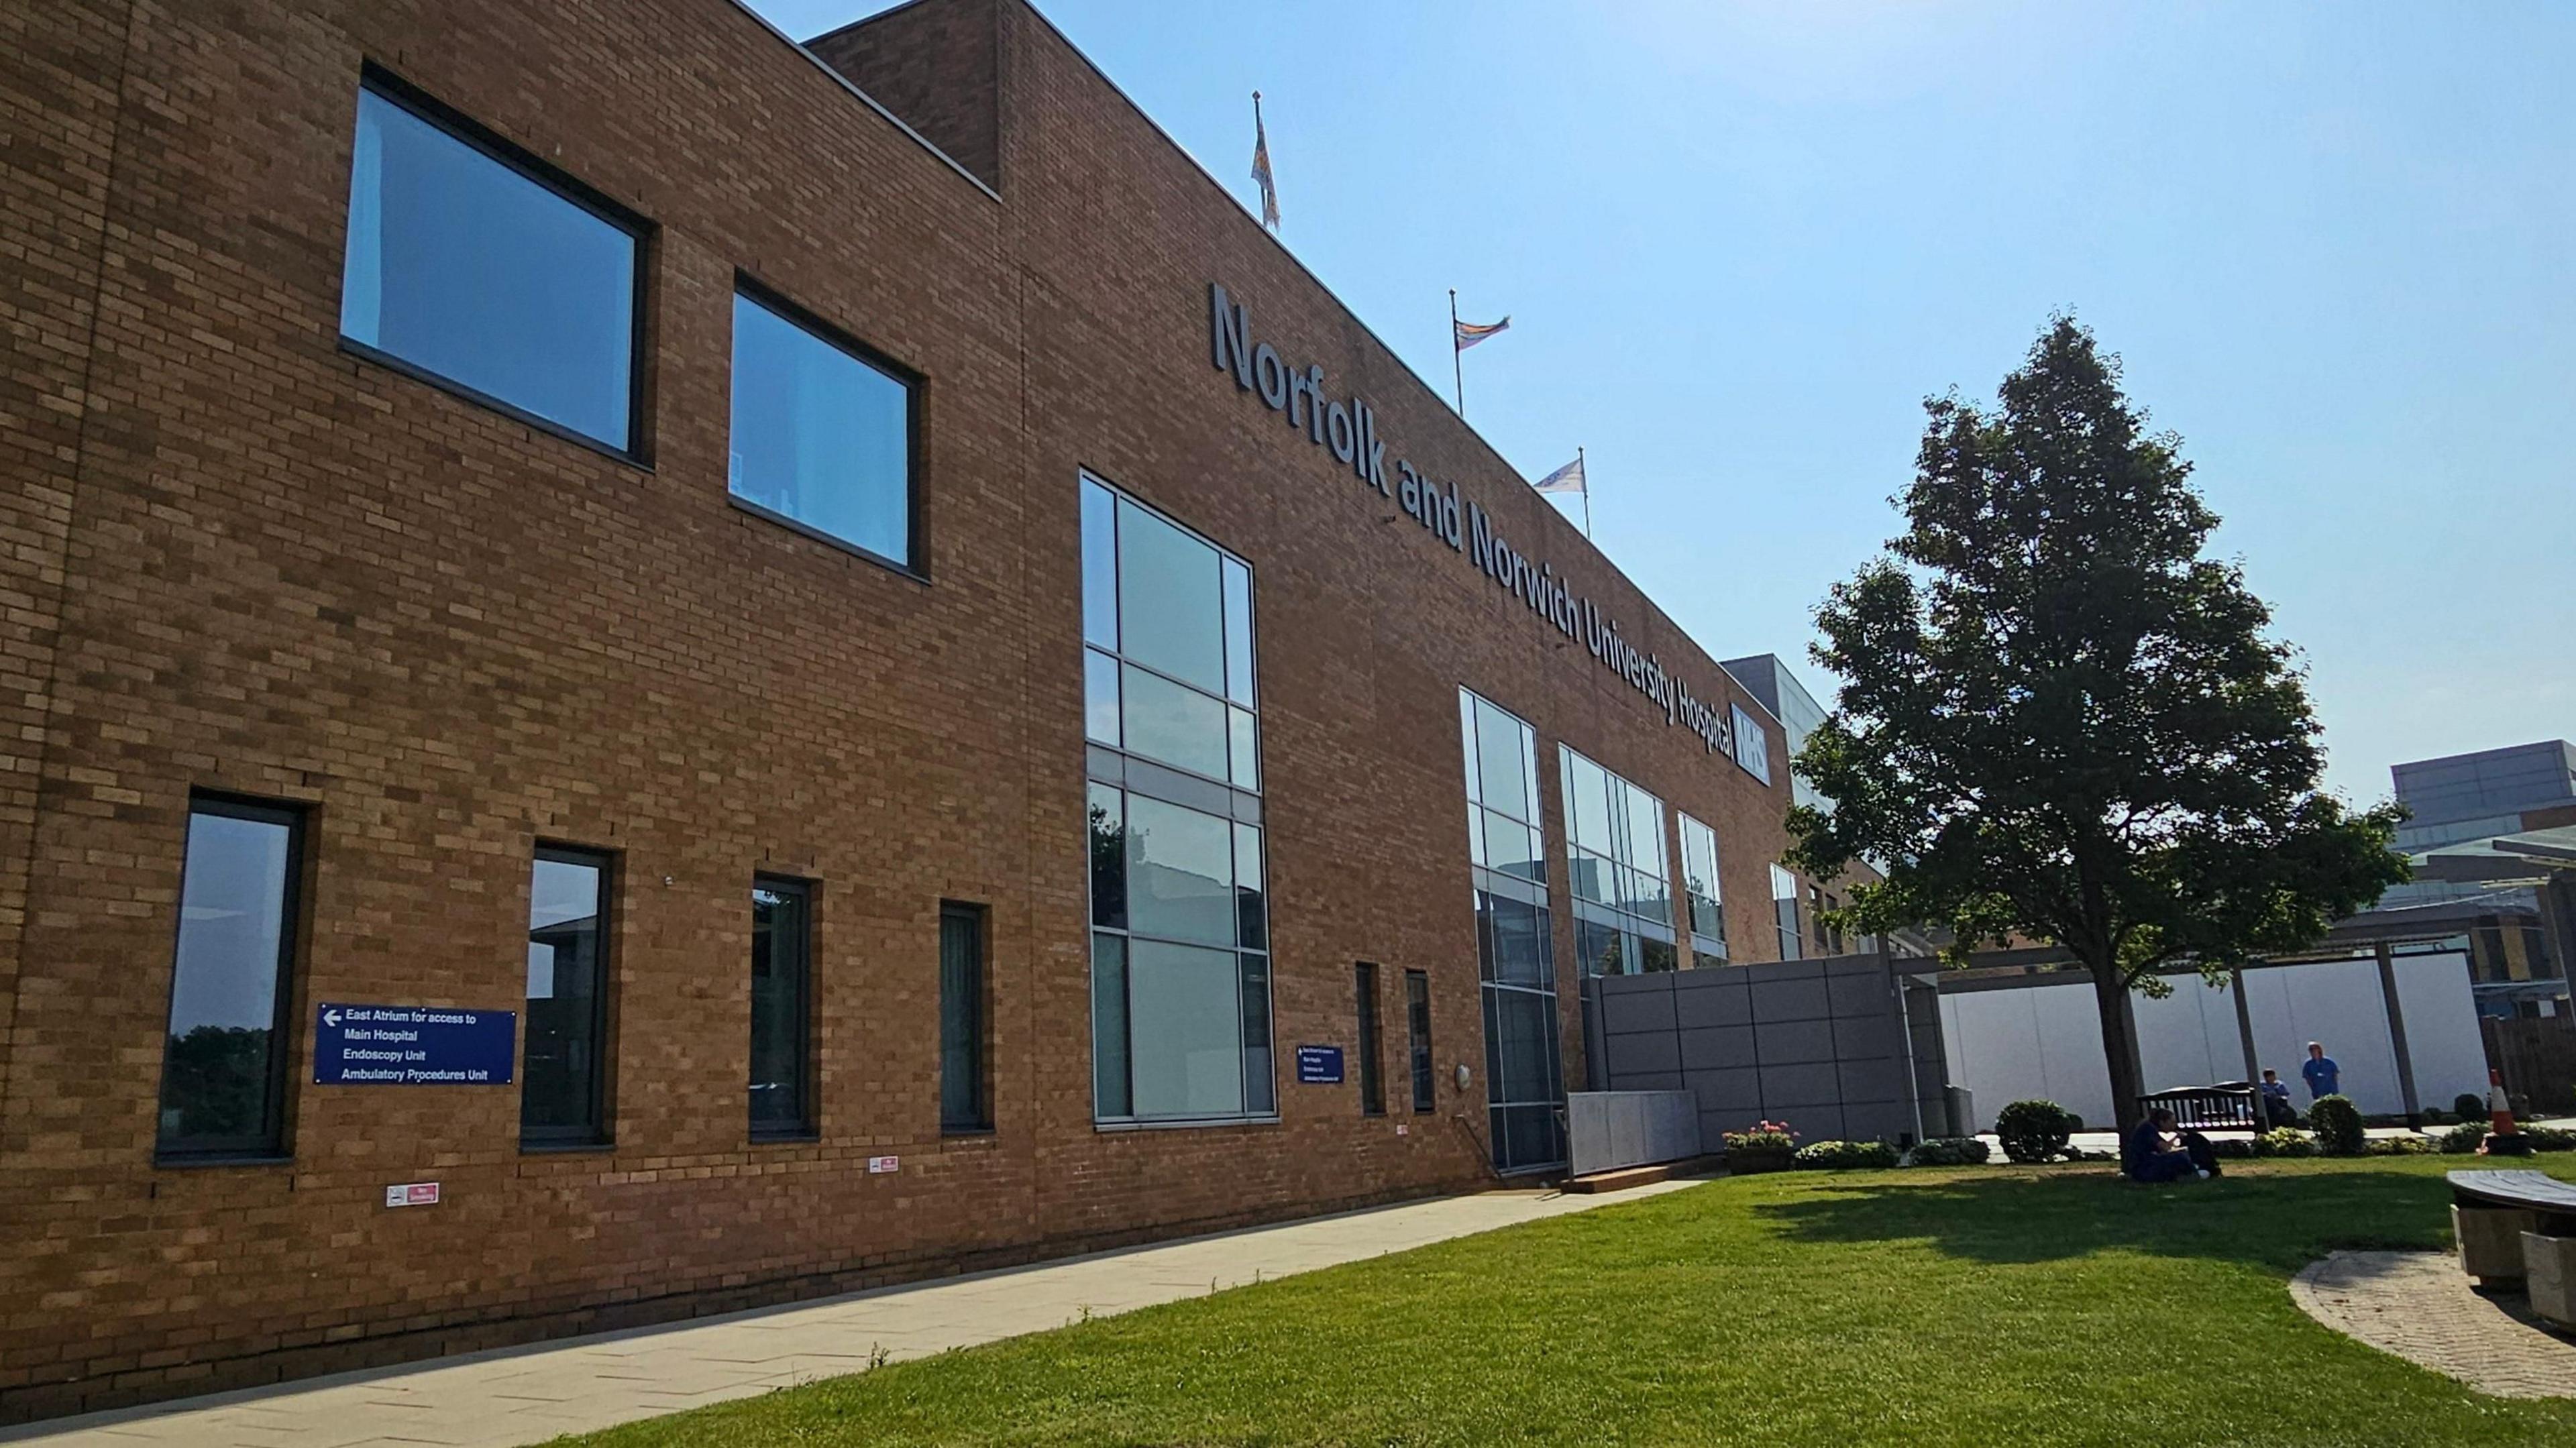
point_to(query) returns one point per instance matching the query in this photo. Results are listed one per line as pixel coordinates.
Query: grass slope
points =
(2053, 1305)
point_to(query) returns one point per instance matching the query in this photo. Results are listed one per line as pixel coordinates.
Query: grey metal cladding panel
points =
(1717, 1048)
(1648, 1081)
(1883, 1121)
(1763, 972)
(1854, 965)
(1788, 1087)
(1790, 1000)
(1866, 1038)
(1812, 1123)
(1633, 1054)
(1854, 995)
(1870, 1081)
(1790, 1043)
(1717, 1003)
(1739, 1089)
(1624, 1008)
(1733, 1118)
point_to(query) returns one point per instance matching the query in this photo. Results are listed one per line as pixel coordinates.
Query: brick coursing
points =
(235, 556)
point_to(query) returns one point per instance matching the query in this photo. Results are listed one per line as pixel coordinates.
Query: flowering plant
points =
(1766, 1138)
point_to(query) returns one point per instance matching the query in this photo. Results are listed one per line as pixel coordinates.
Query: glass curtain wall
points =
(1699, 887)
(1515, 954)
(1623, 894)
(1180, 951)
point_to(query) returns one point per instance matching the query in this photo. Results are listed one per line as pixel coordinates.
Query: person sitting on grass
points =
(2157, 1153)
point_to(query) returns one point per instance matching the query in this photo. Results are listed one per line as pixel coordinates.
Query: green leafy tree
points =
(2060, 720)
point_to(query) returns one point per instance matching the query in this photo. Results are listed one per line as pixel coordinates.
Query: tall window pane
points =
(1784, 913)
(1514, 958)
(782, 1008)
(821, 435)
(1621, 867)
(1099, 566)
(1185, 1030)
(963, 1103)
(1174, 725)
(1417, 1031)
(470, 269)
(223, 1067)
(1110, 1095)
(1372, 1088)
(563, 1085)
(1180, 873)
(1699, 882)
(1171, 612)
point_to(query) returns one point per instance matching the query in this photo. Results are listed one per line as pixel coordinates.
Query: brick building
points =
(574, 574)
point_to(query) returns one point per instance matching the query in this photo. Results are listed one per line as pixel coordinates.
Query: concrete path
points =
(2419, 1305)
(526, 1395)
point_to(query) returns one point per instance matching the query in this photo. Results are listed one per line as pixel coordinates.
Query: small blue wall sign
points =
(413, 1046)
(1319, 1065)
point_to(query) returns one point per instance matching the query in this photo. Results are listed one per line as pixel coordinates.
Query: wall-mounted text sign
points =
(413, 1046)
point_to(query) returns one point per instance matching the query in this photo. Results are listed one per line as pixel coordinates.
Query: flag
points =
(1261, 167)
(1567, 479)
(1471, 333)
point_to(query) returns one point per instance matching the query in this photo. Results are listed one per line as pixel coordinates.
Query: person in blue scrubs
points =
(2324, 1077)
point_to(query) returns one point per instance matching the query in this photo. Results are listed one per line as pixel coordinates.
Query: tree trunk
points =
(2119, 1046)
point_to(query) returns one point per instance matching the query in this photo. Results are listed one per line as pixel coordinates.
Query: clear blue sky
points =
(1739, 244)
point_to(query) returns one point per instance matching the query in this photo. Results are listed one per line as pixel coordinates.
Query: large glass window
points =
(1615, 852)
(563, 1087)
(1700, 889)
(1417, 1027)
(1372, 1082)
(223, 1065)
(479, 269)
(782, 1008)
(1180, 965)
(1784, 913)
(965, 1097)
(1515, 954)
(822, 433)
(1168, 616)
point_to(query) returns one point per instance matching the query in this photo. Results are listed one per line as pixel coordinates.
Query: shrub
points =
(2397, 1146)
(2033, 1131)
(2230, 1148)
(2337, 1123)
(2468, 1106)
(2550, 1138)
(1950, 1151)
(2462, 1139)
(2285, 1141)
(1844, 1155)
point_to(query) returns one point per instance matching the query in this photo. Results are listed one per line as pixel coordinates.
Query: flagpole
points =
(1587, 491)
(1457, 354)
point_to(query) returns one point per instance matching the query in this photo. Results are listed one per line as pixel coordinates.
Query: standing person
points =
(2276, 1100)
(2323, 1075)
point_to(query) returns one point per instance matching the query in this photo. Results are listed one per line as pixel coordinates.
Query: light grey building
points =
(1767, 678)
(2472, 881)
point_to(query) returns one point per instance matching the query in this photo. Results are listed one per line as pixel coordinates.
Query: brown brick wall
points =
(239, 557)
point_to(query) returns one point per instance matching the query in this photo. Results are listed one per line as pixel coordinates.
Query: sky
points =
(2335, 247)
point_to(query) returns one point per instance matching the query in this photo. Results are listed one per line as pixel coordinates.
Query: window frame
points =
(1420, 1058)
(456, 125)
(979, 921)
(914, 383)
(1371, 1038)
(808, 1125)
(1120, 660)
(602, 1133)
(276, 1142)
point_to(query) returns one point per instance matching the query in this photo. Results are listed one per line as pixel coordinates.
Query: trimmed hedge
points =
(2034, 1131)
(2397, 1146)
(1950, 1151)
(2462, 1139)
(2337, 1123)
(2285, 1141)
(1844, 1156)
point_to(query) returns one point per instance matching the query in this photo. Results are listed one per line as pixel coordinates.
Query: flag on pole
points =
(1567, 479)
(1261, 168)
(1468, 334)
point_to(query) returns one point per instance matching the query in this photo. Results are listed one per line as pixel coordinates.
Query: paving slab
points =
(2420, 1306)
(512, 1396)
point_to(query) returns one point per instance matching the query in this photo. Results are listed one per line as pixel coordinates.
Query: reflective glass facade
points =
(1615, 852)
(1515, 951)
(1700, 890)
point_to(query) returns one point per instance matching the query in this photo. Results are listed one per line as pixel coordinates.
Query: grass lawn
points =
(2051, 1305)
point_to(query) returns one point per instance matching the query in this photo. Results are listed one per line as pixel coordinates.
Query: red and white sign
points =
(879, 1165)
(412, 1194)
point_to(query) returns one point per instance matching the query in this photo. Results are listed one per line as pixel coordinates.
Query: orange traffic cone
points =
(2503, 1137)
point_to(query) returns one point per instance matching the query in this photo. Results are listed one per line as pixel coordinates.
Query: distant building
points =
(1767, 678)
(2482, 827)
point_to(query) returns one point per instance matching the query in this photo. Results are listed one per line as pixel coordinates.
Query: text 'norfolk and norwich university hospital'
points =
(651, 671)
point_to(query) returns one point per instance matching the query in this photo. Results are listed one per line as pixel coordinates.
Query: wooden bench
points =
(2518, 1227)
(2208, 1108)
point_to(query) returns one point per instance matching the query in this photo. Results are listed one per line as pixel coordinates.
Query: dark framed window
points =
(1784, 914)
(1372, 1086)
(473, 265)
(823, 430)
(965, 1069)
(563, 1082)
(223, 1064)
(1699, 884)
(782, 1008)
(1417, 1030)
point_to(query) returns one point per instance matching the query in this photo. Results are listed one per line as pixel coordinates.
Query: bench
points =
(2208, 1108)
(2519, 1227)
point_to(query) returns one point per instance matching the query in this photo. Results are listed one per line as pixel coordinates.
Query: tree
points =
(2060, 720)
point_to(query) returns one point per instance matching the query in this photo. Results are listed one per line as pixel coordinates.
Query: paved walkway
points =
(525, 1395)
(2419, 1305)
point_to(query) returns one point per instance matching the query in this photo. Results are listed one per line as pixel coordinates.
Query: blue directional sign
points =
(413, 1046)
(1319, 1065)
